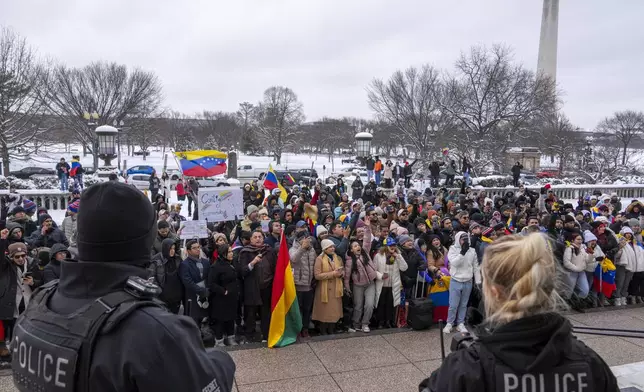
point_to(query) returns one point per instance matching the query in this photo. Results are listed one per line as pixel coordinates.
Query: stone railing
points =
(51, 199)
(568, 192)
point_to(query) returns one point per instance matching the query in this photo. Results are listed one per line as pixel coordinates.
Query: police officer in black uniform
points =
(523, 345)
(100, 328)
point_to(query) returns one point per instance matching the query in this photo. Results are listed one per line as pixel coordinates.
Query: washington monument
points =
(547, 63)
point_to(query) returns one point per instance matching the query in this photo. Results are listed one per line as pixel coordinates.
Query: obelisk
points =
(547, 63)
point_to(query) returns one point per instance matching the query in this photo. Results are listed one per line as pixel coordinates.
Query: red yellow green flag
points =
(286, 321)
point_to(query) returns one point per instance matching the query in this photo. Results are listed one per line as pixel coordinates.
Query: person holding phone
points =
(20, 275)
(389, 263)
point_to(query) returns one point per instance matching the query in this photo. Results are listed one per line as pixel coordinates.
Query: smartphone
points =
(27, 275)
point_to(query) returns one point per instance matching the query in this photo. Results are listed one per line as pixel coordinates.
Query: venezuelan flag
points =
(286, 321)
(76, 165)
(510, 225)
(594, 213)
(271, 182)
(604, 278)
(202, 163)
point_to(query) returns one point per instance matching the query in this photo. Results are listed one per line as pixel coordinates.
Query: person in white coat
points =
(574, 262)
(594, 255)
(389, 263)
(464, 270)
(626, 263)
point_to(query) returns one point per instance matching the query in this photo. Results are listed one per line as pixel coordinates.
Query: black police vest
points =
(53, 352)
(572, 374)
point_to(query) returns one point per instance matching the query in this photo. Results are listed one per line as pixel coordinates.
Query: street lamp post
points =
(106, 135)
(363, 144)
(120, 126)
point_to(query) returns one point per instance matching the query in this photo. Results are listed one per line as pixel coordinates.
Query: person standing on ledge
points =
(100, 327)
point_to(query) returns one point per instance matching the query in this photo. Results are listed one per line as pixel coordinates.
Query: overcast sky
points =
(214, 54)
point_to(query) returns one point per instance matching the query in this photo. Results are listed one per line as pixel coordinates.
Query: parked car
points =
(27, 172)
(142, 153)
(216, 181)
(174, 174)
(548, 173)
(141, 169)
(140, 181)
(528, 178)
(250, 171)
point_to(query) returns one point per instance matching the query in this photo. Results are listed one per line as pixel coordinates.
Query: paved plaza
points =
(398, 360)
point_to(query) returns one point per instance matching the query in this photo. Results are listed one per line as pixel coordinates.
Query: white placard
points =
(193, 229)
(221, 204)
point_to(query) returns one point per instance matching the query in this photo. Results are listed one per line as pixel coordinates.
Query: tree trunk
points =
(84, 150)
(5, 161)
(624, 155)
(278, 158)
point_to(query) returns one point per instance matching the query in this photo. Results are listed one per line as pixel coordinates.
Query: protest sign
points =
(193, 229)
(221, 204)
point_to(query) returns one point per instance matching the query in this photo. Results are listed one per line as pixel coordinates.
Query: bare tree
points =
(218, 129)
(625, 126)
(21, 109)
(278, 117)
(558, 137)
(178, 127)
(144, 130)
(492, 100)
(108, 89)
(245, 117)
(410, 101)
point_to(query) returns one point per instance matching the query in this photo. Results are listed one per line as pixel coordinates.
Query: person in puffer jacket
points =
(57, 254)
(303, 256)
(574, 262)
(636, 287)
(594, 256)
(626, 263)
(464, 270)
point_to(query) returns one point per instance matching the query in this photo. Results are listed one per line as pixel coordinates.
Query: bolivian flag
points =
(286, 321)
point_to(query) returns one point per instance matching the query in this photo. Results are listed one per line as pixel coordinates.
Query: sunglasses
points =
(18, 257)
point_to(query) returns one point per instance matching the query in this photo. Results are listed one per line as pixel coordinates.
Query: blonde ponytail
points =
(519, 278)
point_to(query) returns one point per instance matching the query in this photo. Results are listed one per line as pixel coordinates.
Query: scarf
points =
(486, 239)
(326, 267)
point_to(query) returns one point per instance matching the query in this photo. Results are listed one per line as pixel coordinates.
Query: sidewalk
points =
(395, 360)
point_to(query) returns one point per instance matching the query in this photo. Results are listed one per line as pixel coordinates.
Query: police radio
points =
(141, 288)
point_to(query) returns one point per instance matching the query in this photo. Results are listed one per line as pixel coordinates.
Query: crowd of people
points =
(358, 258)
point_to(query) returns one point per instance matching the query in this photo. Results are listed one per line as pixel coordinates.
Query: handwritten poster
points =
(193, 229)
(221, 204)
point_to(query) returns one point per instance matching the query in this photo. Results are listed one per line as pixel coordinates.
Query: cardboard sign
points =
(193, 229)
(221, 204)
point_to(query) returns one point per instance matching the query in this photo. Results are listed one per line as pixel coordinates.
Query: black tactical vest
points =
(572, 373)
(52, 352)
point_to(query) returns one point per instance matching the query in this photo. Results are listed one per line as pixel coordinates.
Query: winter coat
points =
(364, 275)
(575, 262)
(69, 229)
(627, 257)
(370, 163)
(539, 345)
(258, 277)
(194, 283)
(303, 263)
(435, 169)
(380, 260)
(331, 311)
(53, 236)
(451, 170)
(463, 268)
(388, 172)
(62, 168)
(357, 187)
(516, 170)
(415, 263)
(158, 241)
(221, 279)
(341, 245)
(154, 184)
(164, 272)
(52, 269)
(9, 273)
(592, 262)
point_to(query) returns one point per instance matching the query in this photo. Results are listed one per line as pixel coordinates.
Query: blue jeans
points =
(369, 174)
(459, 294)
(466, 178)
(78, 181)
(577, 283)
(63, 182)
(377, 178)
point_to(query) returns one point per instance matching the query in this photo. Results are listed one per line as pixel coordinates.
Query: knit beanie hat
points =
(162, 224)
(117, 224)
(588, 236)
(626, 230)
(326, 243)
(29, 206)
(403, 238)
(73, 207)
(251, 208)
(320, 230)
(633, 222)
(17, 247)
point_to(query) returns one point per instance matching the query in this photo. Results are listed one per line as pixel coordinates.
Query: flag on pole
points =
(202, 163)
(286, 321)
(509, 225)
(271, 182)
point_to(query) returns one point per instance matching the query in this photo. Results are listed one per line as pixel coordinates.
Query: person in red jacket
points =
(181, 190)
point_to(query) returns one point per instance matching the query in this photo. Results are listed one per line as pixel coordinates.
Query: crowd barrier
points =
(56, 200)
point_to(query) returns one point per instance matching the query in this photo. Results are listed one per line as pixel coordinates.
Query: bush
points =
(493, 181)
(91, 179)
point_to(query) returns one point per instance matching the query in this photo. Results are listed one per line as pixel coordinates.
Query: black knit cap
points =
(117, 223)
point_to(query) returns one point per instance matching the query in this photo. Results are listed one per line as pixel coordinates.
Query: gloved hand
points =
(465, 247)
